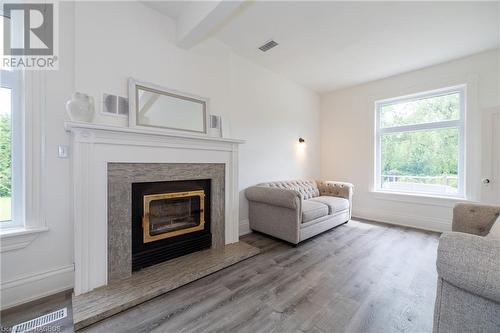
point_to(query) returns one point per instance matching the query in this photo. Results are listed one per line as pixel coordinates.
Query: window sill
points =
(18, 238)
(421, 199)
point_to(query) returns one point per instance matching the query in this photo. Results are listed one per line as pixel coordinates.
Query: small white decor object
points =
(80, 107)
(216, 126)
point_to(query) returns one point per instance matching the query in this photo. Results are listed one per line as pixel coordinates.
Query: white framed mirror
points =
(152, 106)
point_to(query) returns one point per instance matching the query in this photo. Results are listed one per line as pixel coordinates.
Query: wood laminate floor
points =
(358, 277)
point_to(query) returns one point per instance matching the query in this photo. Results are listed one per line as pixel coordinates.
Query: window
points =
(22, 108)
(11, 177)
(420, 143)
(11, 141)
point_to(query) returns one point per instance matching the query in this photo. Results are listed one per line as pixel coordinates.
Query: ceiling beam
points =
(202, 18)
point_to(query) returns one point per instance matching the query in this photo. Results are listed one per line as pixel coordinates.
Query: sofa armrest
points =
(471, 263)
(336, 189)
(274, 196)
(474, 218)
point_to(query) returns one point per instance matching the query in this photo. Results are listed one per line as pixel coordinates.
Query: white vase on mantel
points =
(80, 107)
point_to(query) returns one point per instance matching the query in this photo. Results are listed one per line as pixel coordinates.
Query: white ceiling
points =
(331, 45)
(172, 9)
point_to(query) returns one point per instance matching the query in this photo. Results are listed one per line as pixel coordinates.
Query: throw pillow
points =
(495, 230)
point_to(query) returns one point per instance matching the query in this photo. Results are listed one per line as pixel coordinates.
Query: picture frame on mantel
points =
(156, 108)
(216, 126)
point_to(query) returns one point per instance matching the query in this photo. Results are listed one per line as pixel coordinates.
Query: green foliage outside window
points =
(428, 110)
(423, 153)
(5, 156)
(5, 168)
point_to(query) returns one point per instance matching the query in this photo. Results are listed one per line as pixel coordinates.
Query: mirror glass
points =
(167, 110)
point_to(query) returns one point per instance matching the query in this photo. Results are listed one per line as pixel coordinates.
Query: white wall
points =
(104, 43)
(347, 137)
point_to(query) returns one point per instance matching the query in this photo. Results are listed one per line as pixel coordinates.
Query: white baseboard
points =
(34, 286)
(418, 222)
(245, 227)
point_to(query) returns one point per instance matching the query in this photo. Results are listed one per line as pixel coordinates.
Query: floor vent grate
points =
(33, 324)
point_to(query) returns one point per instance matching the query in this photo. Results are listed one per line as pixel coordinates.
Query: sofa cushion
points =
(335, 204)
(312, 210)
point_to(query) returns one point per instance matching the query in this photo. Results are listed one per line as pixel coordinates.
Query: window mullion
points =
(420, 127)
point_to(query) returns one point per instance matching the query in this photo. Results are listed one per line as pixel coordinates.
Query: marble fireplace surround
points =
(120, 179)
(100, 149)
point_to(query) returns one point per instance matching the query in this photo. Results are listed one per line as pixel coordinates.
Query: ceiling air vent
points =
(268, 45)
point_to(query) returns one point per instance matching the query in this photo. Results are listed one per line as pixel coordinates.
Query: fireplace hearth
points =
(169, 219)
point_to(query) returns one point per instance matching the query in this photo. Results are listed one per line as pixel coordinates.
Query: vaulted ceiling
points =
(329, 45)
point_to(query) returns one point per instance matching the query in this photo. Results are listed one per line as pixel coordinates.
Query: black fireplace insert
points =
(169, 219)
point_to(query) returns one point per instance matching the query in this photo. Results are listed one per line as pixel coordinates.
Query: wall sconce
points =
(301, 148)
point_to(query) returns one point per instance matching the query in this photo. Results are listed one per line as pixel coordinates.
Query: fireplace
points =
(169, 219)
(107, 160)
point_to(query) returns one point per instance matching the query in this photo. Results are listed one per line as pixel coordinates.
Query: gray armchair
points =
(296, 210)
(468, 265)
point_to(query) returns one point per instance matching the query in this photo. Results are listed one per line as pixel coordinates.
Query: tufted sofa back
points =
(306, 188)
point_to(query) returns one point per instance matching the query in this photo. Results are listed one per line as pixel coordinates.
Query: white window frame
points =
(459, 124)
(29, 169)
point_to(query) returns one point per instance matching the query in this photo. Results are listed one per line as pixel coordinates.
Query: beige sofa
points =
(296, 210)
(468, 266)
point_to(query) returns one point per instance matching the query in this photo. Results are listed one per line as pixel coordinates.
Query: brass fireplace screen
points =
(172, 214)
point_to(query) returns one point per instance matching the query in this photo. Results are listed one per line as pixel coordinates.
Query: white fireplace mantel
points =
(94, 146)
